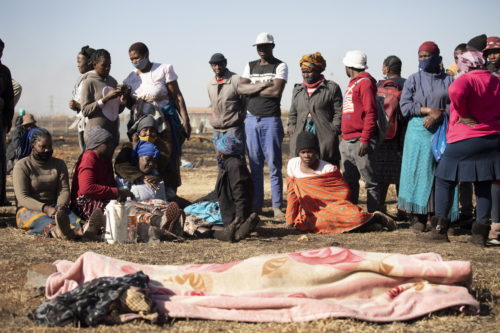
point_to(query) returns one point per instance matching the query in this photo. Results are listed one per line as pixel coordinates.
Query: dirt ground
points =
(21, 251)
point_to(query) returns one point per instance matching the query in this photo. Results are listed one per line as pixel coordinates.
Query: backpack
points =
(388, 115)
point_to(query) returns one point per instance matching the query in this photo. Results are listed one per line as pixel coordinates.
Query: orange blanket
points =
(319, 204)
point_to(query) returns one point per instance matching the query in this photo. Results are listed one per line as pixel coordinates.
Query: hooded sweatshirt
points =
(92, 90)
(359, 112)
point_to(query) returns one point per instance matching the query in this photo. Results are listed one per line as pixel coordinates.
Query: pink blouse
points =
(475, 94)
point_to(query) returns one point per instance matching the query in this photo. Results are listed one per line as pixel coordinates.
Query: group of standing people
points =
(444, 130)
(338, 139)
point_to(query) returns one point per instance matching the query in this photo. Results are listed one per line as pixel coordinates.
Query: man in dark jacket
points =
(234, 190)
(6, 114)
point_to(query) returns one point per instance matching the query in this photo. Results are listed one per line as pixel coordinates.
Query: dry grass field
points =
(20, 251)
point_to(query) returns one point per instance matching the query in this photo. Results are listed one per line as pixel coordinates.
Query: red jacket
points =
(93, 178)
(359, 112)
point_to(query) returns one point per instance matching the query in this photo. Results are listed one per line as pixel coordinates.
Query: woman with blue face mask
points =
(424, 103)
(155, 91)
(316, 108)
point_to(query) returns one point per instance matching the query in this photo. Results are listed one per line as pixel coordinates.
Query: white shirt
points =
(152, 84)
(293, 168)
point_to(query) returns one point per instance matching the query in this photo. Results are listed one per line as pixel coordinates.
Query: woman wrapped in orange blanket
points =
(317, 196)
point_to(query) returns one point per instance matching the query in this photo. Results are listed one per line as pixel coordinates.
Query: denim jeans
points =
(264, 137)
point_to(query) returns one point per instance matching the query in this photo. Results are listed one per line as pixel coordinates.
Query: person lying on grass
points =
(317, 196)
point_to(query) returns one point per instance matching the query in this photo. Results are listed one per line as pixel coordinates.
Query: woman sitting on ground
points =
(156, 218)
(41, 185)
(145, 129)
(93, 184)
(317, 196)
(234, 192)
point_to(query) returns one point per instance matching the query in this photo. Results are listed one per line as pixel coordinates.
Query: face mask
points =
(430, 64)
(311, 80)
(220, 162)
(43, 156)
(148, 138)
(140, 65)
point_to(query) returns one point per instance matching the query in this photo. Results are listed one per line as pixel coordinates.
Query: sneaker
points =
(278, 213)
(63, 226)
(492, 242)
(94, 225)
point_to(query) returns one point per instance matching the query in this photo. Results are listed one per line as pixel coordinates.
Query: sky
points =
(43, 38)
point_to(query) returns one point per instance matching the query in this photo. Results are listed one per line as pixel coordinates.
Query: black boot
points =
(479, 233)
(439, 230)
(418, 222)
(244, 229)
(226, 234)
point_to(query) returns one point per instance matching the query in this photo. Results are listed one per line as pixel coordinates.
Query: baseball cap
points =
(264, 38)
(355, 59)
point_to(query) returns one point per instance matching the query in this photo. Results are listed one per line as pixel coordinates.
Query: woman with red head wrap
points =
(424, 101)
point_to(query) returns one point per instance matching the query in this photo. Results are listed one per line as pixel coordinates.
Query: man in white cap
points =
(359, 128)
(263, 127)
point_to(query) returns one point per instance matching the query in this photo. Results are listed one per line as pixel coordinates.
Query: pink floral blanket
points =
(291, 287)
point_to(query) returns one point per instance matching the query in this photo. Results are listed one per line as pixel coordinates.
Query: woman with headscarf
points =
(155, 217)
(424, 102)
(316, 108)
(317, 196)
(41, 185)
(389, 152)
(101, 98)
(155, 91)
(473, 150)
(145, 157)
(145, 129)
(93, 184)
(84, 64)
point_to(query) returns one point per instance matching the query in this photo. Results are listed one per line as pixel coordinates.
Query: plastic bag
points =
(439, 142)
